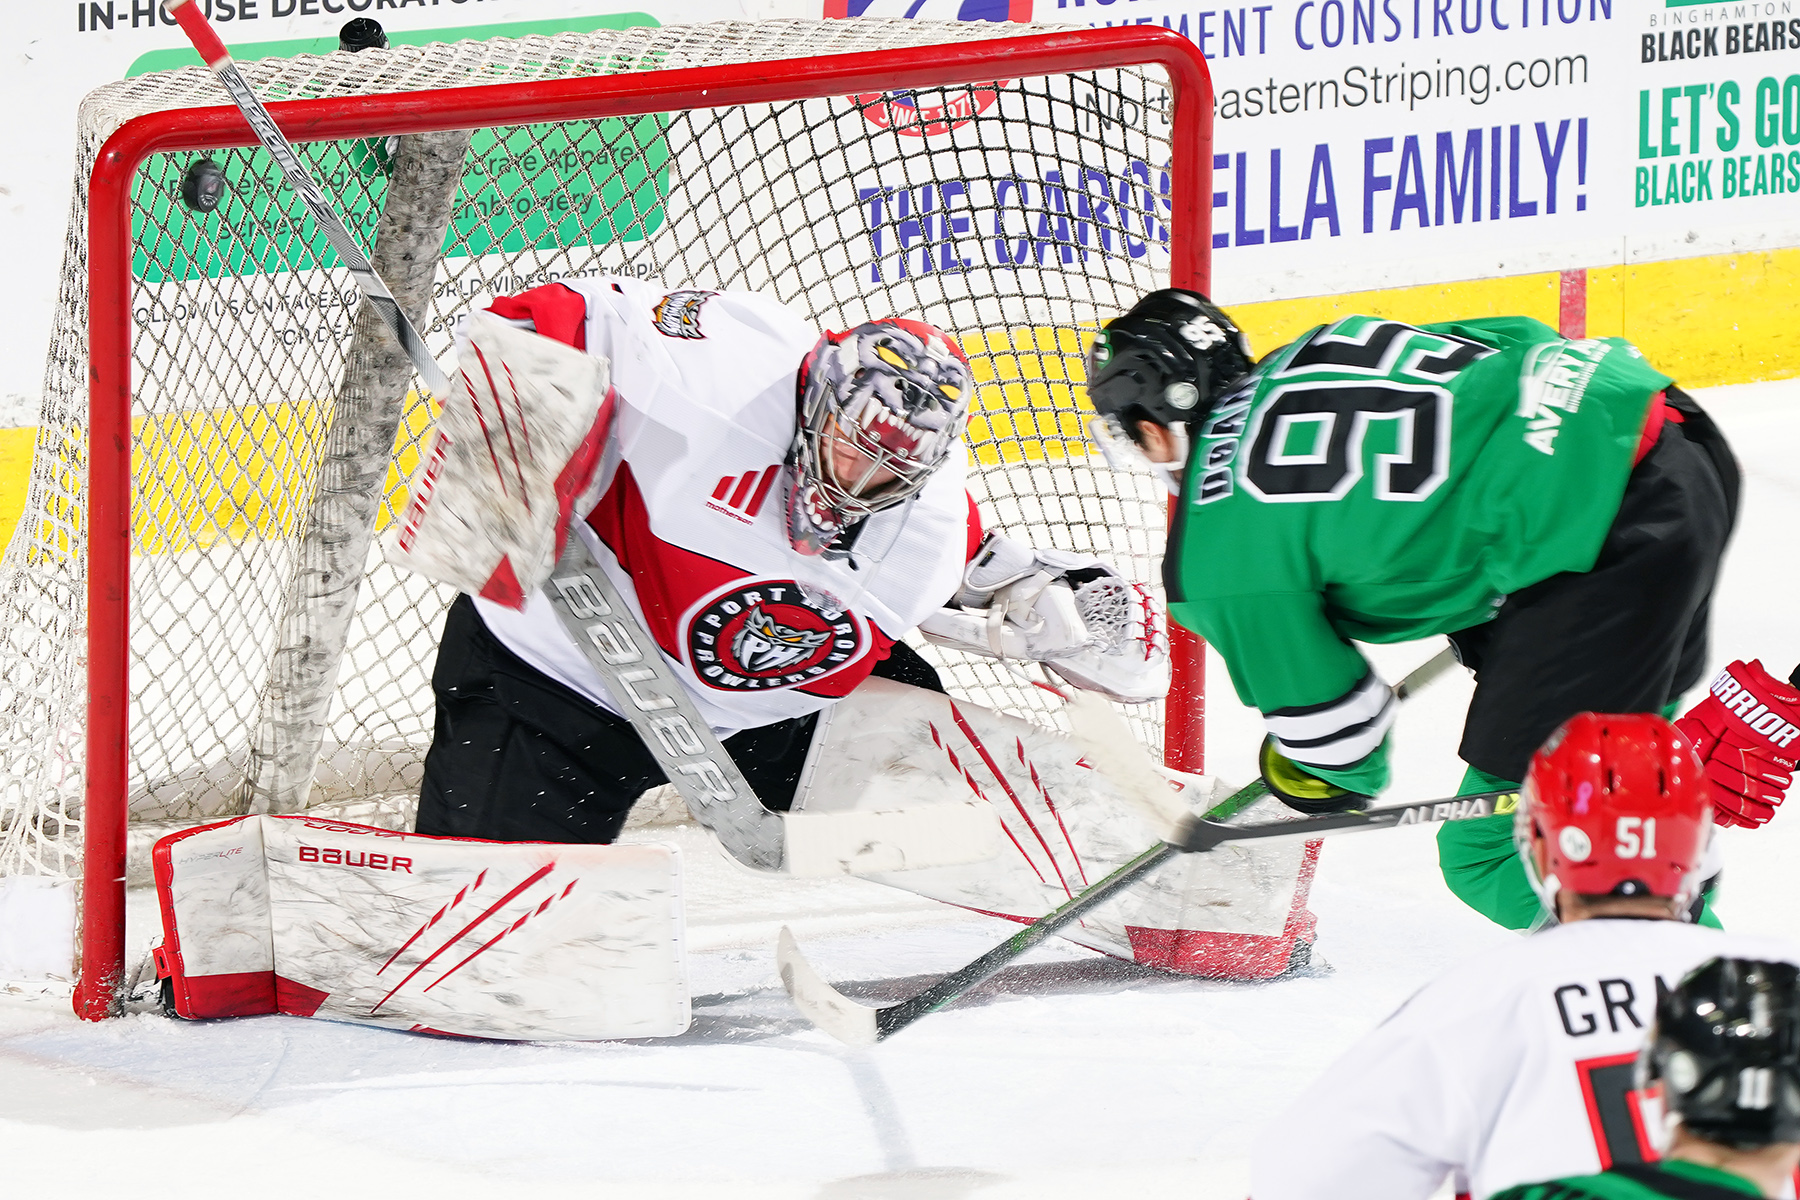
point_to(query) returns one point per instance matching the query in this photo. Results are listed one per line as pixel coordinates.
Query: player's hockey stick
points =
(859, 1025)
(657, 705)
(218, 60)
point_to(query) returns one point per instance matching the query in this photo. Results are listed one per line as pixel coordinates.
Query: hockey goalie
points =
(687, 527)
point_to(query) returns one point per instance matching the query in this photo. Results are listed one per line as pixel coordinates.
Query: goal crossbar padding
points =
(1232, 913)
(1055, 176)
(314, 918)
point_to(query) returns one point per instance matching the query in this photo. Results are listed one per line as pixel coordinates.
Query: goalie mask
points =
(881, 407)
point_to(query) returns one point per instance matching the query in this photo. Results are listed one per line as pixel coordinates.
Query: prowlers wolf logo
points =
(677, 314)
(773, 634)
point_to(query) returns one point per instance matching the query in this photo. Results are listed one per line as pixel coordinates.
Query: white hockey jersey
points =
(691, 518)
(1514, 1068)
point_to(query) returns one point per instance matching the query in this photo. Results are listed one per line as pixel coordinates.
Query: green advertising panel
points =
(543, 187)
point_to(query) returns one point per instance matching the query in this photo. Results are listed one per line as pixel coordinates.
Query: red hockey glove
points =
(1747, 732)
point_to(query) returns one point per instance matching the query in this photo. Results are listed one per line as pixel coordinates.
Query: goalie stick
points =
(718, 795)
(860, 1025)
(665, 719)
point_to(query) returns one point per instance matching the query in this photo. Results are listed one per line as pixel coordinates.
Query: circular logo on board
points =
(928, 114)
(774, 633)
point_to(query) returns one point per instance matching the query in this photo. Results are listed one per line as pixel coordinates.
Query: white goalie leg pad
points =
(1232, 913)
(518, 443)
(522, 941)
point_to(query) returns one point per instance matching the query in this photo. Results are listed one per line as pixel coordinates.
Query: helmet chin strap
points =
(1123, 454)
(1171, 472)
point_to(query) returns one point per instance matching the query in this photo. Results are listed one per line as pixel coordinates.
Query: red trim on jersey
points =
(670, 580)
(847, 678)
(667, 578)
(1584, 1072)
(1653, 425)
(558, 312)
(974, 531)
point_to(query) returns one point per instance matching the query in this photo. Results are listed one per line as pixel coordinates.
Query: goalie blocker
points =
(515, 941)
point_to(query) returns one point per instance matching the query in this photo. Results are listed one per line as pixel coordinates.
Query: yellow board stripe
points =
(1713, 320)
(1030, 394)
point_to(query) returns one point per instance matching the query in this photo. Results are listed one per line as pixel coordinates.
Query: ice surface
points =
(1070, 1076)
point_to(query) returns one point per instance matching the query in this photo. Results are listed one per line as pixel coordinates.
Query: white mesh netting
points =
(1017, 215)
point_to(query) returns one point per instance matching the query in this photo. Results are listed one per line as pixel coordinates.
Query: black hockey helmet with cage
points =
(1167, 360)
(1726, 1048)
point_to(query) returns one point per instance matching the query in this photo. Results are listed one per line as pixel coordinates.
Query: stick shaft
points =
(375, 293)
(947, 989)
(897, 1017)
(950, 987)
(1207, 833)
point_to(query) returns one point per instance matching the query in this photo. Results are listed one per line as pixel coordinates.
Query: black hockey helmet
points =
(1167, 361)
(1726, 1046)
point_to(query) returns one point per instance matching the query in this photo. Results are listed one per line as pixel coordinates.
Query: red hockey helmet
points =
(1615, 804)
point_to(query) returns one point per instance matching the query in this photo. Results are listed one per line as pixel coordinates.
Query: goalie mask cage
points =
(1011, 185)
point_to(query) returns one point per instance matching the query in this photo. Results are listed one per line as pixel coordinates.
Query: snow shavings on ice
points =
(1070, 1076)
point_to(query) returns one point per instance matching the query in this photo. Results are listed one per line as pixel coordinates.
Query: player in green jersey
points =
(1725, 1050)
(1555, 506)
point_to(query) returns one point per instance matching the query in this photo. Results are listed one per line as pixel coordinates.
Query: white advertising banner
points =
(1372, 143)
(1360, 144)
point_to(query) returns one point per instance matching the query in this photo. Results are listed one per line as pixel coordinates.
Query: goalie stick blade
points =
(1119, 757)
(819, 1002)
(899, 839)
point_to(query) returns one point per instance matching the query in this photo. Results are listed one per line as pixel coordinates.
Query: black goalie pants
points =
(518, 757)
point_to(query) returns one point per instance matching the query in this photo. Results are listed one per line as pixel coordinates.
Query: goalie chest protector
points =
(691, 517)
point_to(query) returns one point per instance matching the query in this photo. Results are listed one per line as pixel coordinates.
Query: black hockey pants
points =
(1629, 635)
(519, 757)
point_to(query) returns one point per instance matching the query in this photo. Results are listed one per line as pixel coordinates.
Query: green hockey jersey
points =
(1664, 1181)
(1386, 482)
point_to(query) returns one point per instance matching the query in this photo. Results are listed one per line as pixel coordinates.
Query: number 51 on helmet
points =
(1615, 804)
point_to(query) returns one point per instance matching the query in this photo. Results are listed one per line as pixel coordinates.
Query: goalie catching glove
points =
(1747, 732)
(518, 442)
(1071, 612)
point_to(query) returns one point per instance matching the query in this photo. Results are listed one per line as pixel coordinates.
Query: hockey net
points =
(1018, 211)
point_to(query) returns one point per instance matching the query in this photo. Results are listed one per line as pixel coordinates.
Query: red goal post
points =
(110, 247)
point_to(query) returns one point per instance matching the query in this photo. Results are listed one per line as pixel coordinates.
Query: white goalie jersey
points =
(688, 516)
